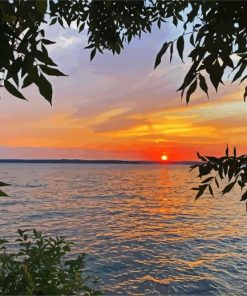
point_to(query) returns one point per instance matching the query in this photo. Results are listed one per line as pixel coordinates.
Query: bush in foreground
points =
(41, 266)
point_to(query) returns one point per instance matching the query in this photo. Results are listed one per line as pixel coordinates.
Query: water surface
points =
(139, 224)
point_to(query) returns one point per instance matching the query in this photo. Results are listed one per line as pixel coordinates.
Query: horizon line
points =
(102, 161)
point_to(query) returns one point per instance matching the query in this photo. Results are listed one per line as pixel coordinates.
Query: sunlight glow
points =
(164, 157)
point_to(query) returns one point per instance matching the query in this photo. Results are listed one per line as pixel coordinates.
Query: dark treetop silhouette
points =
(215, 31)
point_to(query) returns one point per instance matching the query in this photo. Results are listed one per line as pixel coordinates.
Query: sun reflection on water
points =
(139, 224)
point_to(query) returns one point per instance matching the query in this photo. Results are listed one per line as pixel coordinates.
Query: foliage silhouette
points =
(215, 170)
(40, 266)
(2, 193)
(215, 30)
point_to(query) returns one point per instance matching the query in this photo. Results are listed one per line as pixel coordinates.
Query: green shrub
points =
(41, 266)
(3, 184)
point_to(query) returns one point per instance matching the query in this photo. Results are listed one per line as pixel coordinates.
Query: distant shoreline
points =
(83, 161)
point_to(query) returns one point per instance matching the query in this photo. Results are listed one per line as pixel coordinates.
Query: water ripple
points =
(139, 224)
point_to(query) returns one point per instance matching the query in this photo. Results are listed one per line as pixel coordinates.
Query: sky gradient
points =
(118, 107)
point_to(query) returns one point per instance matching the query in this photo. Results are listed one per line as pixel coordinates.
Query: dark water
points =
(139, 224)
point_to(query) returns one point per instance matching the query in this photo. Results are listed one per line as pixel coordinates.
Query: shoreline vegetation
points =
(42, 265)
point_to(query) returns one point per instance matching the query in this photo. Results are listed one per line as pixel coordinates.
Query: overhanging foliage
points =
(216, 32)
(214, 170)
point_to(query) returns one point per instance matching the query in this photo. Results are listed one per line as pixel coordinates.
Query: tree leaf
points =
(45, 88)
(160, 54)
(180, 46)
(3, 193)
(47, 42)
(200, 157)
(42, 32)
(227, 151)
(201, 190)
(203, 84)
(207, 180)
(195, 188)
(93, 53)
(171, 52)
(190, 91)
(216, 182)
(227, 60)
(43, 57)
(225, 168)
(2, 184)
(190, 76)
(175, 20)
(241, 184)
(27, 81)
(51, 71)
(243, 79)
(244, 196)
(212, 159)
(239, 73)
(214, 70)
(245, 94)
(228, 187)
(210, 190)
(60, 20)
(13, 90)
(53, 21)
(231, 172)
(204, 169)
(192, 39)
(41, 6)
(192, 167)
(81, 28)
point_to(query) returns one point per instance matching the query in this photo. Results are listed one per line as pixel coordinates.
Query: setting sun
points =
(164, 157)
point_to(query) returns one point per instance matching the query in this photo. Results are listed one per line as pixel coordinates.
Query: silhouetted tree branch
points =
(213, 171)
(214, 31)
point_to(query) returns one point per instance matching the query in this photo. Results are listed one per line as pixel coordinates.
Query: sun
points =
(164, 157)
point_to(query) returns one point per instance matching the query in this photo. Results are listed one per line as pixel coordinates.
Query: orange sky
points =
(120, 108)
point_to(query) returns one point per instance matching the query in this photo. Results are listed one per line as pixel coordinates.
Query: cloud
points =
(118, 106)
(118, 124)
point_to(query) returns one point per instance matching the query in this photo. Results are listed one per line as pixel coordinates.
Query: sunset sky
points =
(118, 107)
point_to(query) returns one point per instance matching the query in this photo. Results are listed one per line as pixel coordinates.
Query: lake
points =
(139, 224)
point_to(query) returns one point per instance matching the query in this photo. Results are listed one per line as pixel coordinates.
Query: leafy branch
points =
(2, 184)
(42, 265)
(218, 32)
(233, 169)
